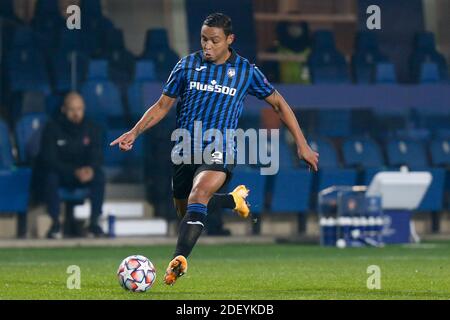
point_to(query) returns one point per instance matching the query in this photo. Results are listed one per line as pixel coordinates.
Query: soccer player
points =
(211, 85)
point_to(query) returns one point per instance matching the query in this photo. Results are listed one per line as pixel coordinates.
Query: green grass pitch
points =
(234, 272)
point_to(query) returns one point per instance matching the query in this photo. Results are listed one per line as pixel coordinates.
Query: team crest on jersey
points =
(231, 72)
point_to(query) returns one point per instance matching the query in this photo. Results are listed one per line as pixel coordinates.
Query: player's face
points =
(74, 110)
(215, 43)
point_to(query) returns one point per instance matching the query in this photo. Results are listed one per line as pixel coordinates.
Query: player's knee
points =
(199, 195)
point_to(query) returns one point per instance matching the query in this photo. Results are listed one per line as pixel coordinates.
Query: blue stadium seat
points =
(442, 133)
(28, 135)
(440, 152)
(157, 48)
(26, 64)
(14, 183)
(432, 119)
(46, 22)
(288, 156)
(326, 64)
(292, 191)
(334, 122)
(362, 152)
(145, 73)
(123, 165)
(254, 181)
(365, 56)
(94, 31)
(387, 121)
(404, 152)
(121, 61)
(425, 52)
(15, 194)
(32, 101)
(434, 197)
(92, 9)
(103, 102)
(98, 70)
(328, 154)
(429, 73)
(330, 172)
(385, 73)
(76, 195)
(62, 70)
(46, 8)
(416, 134)
(6, 157)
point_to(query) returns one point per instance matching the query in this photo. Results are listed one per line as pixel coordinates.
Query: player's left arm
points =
(286, 115)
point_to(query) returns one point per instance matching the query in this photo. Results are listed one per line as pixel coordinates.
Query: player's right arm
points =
(172, 89)
(150, 118)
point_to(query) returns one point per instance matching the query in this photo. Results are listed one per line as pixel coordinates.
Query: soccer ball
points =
(136, 273)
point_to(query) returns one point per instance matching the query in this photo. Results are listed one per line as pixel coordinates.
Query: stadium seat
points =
(432, 118)
(362, 153)
(32, 101)
(330, 172)
(365, 56)
(415, 134)
(121, 61)
(28, 132)
(157, 48)
(326, 64)
(103, 102)
(26, 64)
(425, 52)
(429, 73)
(62, 70)
(254, 181)
(98, 70)
(120, 165)
(92, 9)
(334, 123)
(94, 34)
(434, 197)
(145, 72)
(406, 152)
(292, 191)
(6, 157)
(14, 197)
(385, 73)
(46, 21)
(440, 152)
(14, 183)
(386, 122)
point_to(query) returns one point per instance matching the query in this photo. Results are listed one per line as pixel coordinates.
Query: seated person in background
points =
(71, 155)
(293, 38)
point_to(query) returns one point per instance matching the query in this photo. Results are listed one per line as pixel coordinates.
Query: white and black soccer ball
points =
(136, 273)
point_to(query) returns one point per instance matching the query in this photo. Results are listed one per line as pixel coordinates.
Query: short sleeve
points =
(174, 85)
(260, 87)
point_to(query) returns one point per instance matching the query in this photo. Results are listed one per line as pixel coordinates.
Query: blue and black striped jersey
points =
(214, 94)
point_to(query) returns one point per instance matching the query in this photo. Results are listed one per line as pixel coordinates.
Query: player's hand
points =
(125, 141)
(309, 156)
(84, 174)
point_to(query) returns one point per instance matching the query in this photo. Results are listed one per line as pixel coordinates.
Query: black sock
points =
(190, 229)
(219, 201)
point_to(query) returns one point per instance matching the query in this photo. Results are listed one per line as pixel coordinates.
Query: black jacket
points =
(66, 146)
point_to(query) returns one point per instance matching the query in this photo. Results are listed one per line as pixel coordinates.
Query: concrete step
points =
(125, 191)
(137, 227)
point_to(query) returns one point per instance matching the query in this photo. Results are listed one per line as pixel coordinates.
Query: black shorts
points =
(184, 174)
